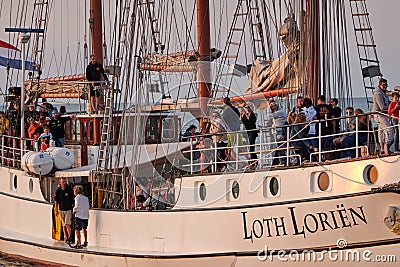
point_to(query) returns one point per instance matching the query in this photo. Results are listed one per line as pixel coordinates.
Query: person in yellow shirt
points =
(4, 123)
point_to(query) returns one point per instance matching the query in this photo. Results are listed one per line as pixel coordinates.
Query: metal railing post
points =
(191, 156)
(236, 150)
(2, 149)
(319, 142)
(287, 146)
(357, 153)
(215, 156)
(260, 161)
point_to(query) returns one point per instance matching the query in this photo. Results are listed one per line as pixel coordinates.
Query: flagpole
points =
(24, 39)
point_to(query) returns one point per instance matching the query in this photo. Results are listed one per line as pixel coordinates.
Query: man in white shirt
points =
(81, 211)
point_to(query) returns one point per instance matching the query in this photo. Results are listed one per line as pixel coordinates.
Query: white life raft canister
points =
(37, 162)
(63, 158)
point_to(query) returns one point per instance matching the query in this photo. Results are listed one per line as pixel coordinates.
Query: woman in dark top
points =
(350, 141)
(249, 120)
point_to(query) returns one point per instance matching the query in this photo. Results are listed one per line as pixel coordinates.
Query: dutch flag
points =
(12, 56)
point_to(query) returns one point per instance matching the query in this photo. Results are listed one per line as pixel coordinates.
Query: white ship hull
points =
(220, 231)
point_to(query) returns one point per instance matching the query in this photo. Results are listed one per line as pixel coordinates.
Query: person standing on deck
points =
(381, 104)
(393, 111)
(31, 113)
(249, 120)
(81, 211)
(95, 74)
(14, 117)
(4, 123)
(45, 138)
(279, 122)
(64, 201)
(337, 113)
(324, 114)
(291, 116)
(57, 127)
(231, 118)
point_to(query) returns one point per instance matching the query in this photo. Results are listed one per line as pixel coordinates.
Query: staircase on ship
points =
(366, 47)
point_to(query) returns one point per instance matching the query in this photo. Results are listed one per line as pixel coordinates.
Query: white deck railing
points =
(268, 149)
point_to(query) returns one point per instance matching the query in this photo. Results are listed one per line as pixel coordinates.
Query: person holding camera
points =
(393, 112)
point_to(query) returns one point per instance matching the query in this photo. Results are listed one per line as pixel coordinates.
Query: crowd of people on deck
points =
(319, 132)
(45, 125)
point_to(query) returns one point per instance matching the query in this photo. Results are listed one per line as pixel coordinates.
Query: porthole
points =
(15, 182)
(202, 191)
(30, 185)
(235, 189)
(370, 174)
(274, 186)
(323, 181)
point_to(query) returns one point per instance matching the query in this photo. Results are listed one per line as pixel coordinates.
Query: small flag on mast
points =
(12, 57)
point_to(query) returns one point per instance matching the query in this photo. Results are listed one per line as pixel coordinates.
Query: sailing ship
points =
(164, 77)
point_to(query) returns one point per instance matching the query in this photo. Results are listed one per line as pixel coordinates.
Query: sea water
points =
(13, 262)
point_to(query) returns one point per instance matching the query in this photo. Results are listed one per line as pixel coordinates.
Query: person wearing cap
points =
(380, 107)
(57, 127)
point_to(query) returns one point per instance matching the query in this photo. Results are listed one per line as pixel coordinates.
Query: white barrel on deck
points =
(37, 162)
(63, 157)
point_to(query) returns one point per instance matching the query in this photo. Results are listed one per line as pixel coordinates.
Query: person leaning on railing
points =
(218, 128)
(299, 130)
(279, 130)
(349, 141)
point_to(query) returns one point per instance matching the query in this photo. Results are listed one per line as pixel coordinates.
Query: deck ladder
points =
(246, 20)
(41, 9)
(106, 131)
(370, 65)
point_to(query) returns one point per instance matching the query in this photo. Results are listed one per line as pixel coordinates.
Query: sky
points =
(383, 16)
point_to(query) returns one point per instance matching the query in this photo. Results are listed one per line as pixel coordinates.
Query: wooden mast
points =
(312, 50)
(203, 70)
(96, 27)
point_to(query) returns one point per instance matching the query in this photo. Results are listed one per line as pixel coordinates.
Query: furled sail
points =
(171, 62)
(283, 71)
(176, 62)
(58, 87)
